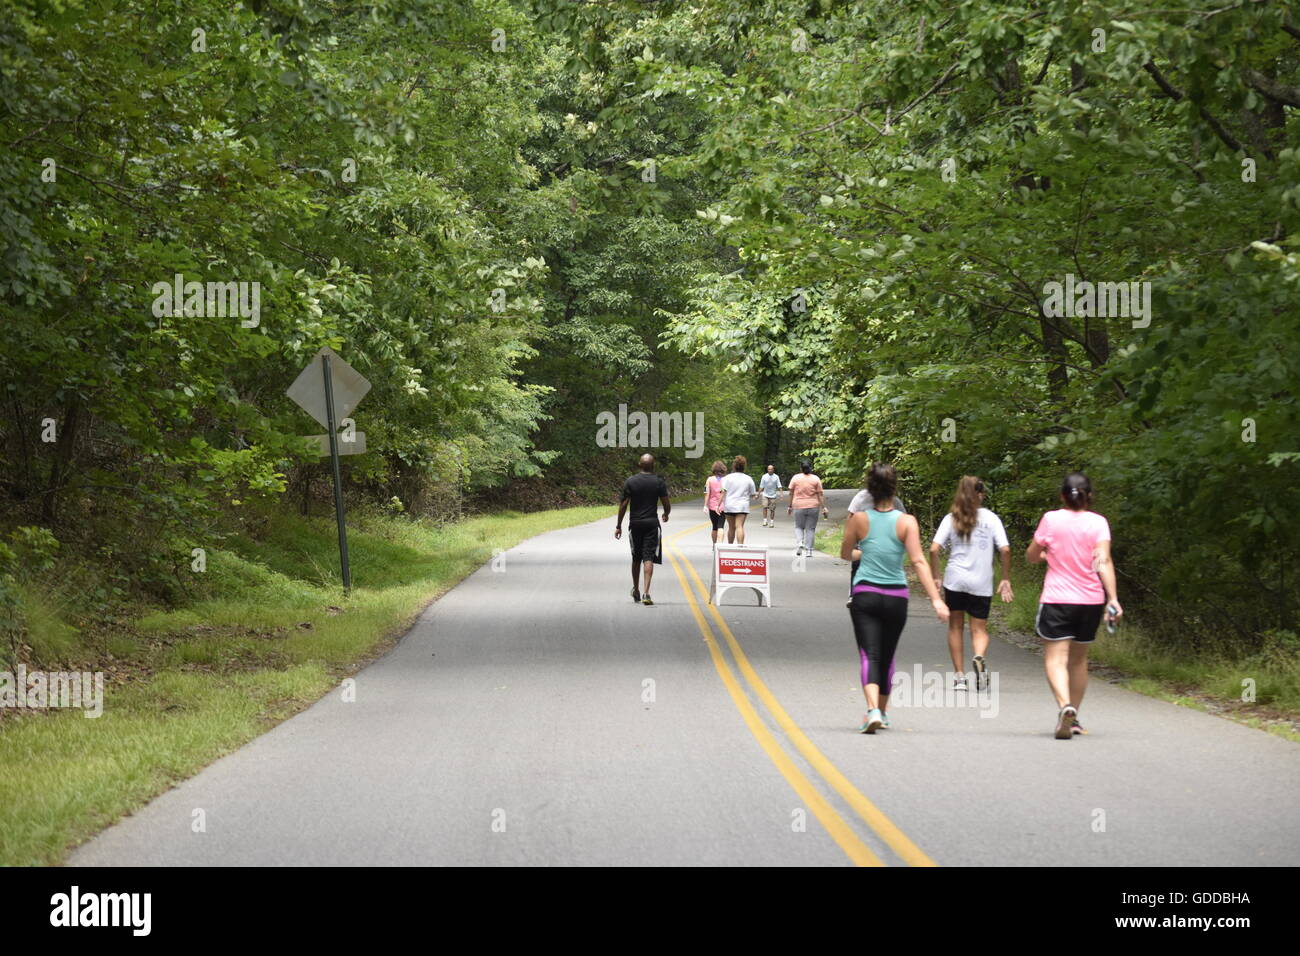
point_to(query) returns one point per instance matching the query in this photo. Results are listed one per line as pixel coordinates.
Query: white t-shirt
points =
(736, 489)
(970, 560)
(863, 501)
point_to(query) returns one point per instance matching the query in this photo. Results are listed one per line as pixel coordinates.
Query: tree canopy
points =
(832, 227)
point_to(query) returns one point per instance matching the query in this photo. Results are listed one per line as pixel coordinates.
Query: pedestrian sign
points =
(738, 566)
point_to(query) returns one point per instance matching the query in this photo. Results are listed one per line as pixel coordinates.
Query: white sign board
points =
(308, 389)
(738, 566)
(355, 447)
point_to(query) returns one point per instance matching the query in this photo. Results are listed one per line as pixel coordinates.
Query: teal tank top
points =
(882, 552)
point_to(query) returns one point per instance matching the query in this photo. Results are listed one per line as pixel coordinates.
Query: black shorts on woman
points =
(975, 605)
(1069, 622)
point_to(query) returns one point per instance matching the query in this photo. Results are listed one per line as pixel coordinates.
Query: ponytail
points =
(966, 505)
(882, 479)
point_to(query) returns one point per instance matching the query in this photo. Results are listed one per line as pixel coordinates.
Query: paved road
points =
(515, 724)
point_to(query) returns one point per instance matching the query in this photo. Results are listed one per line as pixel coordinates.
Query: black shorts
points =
(1069, 622)
(645, 542)
(972, 604)
(717, 519)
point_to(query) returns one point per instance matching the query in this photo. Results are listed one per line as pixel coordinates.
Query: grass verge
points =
(269, 634)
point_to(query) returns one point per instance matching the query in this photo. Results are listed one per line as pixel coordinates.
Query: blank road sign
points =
(355, 447)
(308, 389)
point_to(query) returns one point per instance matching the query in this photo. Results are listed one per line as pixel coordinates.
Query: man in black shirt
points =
(644, 490)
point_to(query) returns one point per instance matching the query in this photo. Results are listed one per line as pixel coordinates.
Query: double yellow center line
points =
(839, 829)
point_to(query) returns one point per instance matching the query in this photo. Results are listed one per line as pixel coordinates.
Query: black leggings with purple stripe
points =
(878, 621)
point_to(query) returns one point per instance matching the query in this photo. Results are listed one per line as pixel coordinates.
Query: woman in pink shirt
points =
(1078, 590)
(806, 496)
(713, 498)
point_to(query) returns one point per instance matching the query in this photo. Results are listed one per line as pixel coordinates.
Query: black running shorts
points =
(972, 604)
(645, 542)
(1069, 622)
(717, 519)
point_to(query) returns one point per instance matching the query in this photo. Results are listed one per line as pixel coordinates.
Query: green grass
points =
(267, 632)
(1208, 681)
(49, 636)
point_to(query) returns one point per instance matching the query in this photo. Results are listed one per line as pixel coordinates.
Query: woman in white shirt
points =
(738, 490)
(971, 533)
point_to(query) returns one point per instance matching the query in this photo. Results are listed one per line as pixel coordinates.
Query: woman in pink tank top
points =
(713, 497)
(1078, 591)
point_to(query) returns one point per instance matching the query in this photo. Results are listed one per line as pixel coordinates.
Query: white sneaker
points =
(798, 552)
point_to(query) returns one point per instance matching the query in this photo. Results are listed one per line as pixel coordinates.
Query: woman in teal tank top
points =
(882, 551)
(880, 539)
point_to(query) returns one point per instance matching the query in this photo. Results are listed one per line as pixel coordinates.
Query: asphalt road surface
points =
(535, 715)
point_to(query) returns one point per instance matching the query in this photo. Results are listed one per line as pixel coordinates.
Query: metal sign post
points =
(338, 481)
(334, 393)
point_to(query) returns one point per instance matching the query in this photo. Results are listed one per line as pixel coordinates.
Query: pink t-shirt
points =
(804, 490)
(713, 492)
(1069, 538)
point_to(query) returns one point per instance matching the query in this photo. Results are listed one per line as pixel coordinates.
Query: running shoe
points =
(884, 720)
(1065, 722)
(1077, 728)
(636, 596)
(959, 683)
(872, 721)
(979, 666)
(798, 551)
(646, 600)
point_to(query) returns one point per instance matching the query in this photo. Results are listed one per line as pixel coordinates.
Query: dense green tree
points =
(831, 227)
(923, 171)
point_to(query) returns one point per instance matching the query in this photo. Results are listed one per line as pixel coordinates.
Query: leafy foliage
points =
(919, 172)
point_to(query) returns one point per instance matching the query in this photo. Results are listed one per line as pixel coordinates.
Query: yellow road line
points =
(912, 854)
(682, 534)
(835, 824)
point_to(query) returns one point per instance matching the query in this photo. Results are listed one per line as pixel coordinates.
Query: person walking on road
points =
(770, 485)
(713, 497)
(739, 491)
(971, 533)
(1078, 590)
(879, 539)
(645, 491)
(861, 502)
(807, 499)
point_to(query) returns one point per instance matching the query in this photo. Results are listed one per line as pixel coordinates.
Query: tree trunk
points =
(65, 439)
(1058, 376)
